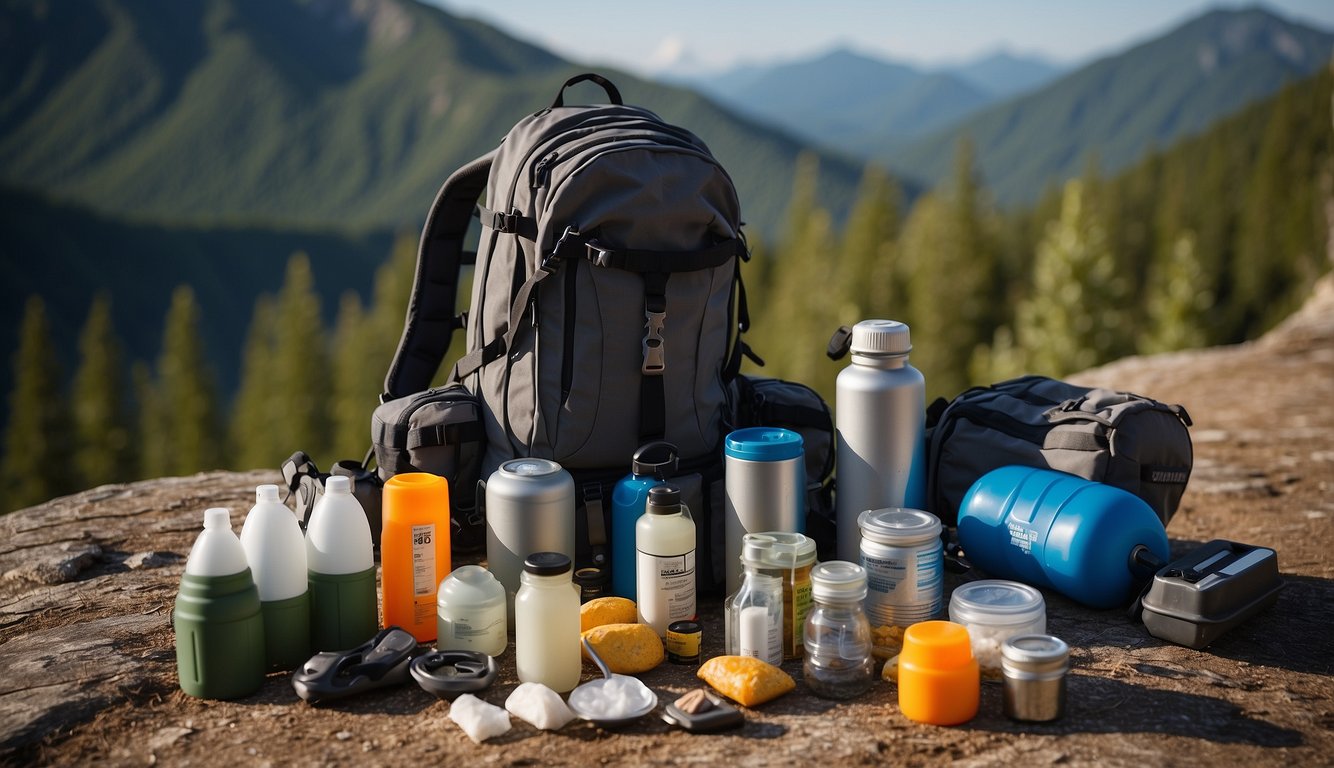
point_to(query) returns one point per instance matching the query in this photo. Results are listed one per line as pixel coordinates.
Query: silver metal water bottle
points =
(880, 410)
(529, 508)
(766, 489)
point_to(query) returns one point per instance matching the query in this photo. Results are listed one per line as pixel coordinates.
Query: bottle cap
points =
(217, 517)
(936, 645)
(338, 484)
(656, 459)
(419, 493)
(530, 467)
(1035, 650)
(547, 564)
(763, 444)
(266, 493)
(838, 580)
(664, 500)
(880, 337)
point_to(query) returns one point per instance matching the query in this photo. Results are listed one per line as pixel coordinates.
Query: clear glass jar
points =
(838, 661)
(754, 616)
(994, 610)
(790, 557)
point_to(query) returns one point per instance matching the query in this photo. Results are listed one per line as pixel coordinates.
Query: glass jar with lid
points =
(790, 557)
(837, 636)
(994, 610)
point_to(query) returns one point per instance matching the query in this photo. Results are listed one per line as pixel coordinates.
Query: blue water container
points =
(1057, 531)
(652, 465)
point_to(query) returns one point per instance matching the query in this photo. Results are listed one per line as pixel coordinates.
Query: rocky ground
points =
(86, 645)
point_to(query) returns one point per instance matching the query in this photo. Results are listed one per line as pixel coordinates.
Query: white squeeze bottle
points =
(665, 560)
(340, 559)
(546, 623)
(276, 552)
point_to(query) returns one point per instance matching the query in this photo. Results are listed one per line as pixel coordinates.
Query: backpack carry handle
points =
(612, 93)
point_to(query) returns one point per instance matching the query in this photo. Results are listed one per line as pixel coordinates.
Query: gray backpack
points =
(1121, 439)
(606, 313)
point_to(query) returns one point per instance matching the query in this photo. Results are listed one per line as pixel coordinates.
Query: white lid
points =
(880, 337)
(996, 601)
(898, 525)
(838, 580)
(338, 484)
(274, 547)
(216, 551)
(778, 550)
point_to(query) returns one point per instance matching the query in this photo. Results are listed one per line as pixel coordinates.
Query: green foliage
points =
(184, 404)
(1074, 317)
(255, 438)
(102, 447)
(300, 365)
(36, 463)
(1178, 301)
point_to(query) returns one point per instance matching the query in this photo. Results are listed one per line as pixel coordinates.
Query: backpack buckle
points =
(655, 361)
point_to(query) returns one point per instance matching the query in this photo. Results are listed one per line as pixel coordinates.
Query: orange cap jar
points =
(939, 681)
(414, 551)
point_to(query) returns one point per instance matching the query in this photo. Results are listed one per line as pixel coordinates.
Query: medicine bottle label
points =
(424, 582)
(666, 587)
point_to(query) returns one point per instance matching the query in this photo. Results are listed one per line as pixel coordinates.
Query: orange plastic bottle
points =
(414, 551)
(939, 682)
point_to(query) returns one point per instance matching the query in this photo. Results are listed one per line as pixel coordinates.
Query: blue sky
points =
(713, 34)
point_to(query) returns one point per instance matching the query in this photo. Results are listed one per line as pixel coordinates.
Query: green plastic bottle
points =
(341, 562)
(219, 627)
(276, 551)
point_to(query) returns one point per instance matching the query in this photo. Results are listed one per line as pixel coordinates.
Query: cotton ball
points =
(539, 705)
(478, 719)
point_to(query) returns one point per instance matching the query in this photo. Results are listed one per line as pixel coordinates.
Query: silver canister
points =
(529, 508)
(1034, 667)
(766, 483)
(904, 560)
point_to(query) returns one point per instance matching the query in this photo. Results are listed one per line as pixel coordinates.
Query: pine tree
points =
(869, 282)
(102, 448)
(255, 438)
(154, 450)
(949, 247)
(355, 383)
(300, 368)
(1177, 303)
(186, 393)
(1072, 318)
(36, 463)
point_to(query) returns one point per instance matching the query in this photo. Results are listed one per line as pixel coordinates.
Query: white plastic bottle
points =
(276, 552)
(665, 560)
(340, 560)
(880, 412)
(546, 623)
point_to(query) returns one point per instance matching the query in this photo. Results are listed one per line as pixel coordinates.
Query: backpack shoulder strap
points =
(431, 322)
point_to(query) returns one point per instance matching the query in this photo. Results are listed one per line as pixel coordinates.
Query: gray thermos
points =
(766, 489)
(880, 407)
(529, 508)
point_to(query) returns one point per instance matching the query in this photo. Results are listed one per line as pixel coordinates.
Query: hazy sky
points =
(712, 34)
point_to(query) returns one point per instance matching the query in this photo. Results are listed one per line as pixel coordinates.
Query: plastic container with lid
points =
(753, 615)
(790, 557)
(837, 637)
(904, 560)
(994, 610)
(546, 623)
(470, 612)
(414, 551)
(938, 676)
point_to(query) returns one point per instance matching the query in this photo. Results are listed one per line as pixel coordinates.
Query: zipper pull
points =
(542, 171)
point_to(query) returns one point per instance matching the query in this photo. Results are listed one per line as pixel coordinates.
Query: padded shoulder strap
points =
(430, 324)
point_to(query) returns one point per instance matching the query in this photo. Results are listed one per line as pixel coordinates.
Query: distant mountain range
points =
(1031, 122)
(334, 113)
(1119, 107)
(856, 102)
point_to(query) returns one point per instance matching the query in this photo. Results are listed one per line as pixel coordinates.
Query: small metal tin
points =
(1034, 667)
(683, 642)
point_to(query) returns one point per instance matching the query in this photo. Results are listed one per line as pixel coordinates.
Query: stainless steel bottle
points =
(765, 482)
(880, 409)
(529, 508)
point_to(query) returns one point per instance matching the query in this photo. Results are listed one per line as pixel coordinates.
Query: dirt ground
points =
(86, 645)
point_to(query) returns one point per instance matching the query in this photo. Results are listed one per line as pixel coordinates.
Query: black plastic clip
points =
(380, 662)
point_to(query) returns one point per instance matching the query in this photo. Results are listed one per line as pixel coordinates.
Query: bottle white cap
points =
(217, 517)
(880, 337)
(838, 580)
(266, 493)
(338, 484)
